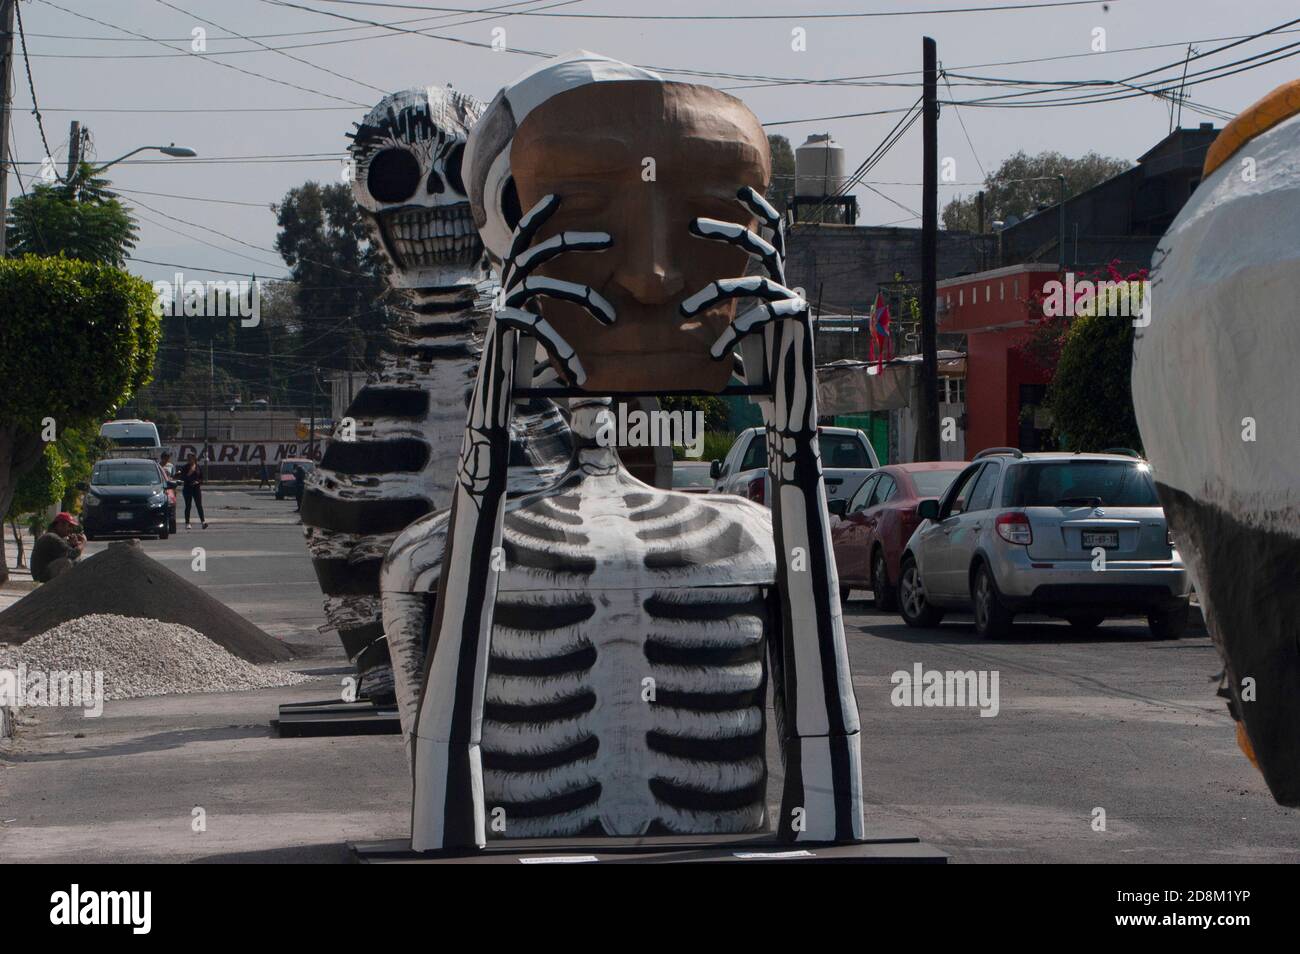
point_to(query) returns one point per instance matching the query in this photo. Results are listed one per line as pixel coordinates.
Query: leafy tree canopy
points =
(1024, 182)
(78, 218)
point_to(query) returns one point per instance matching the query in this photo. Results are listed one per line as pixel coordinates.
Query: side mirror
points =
(173, 484)
(715, 469)
(837, 506)
(928, 510)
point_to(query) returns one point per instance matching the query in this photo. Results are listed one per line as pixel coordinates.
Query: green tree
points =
(1024, 182)
(36, 490)
(1091, 395)
(782, 186)
(76, 340)
(78, 218)
(339, 276)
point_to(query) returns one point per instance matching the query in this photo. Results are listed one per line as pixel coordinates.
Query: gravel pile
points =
(145, 657)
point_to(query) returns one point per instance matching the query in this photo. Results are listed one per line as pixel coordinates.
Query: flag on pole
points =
(882, 342)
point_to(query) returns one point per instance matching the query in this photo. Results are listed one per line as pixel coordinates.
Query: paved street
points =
(1114, 721)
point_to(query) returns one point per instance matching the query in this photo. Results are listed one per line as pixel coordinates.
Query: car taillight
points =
(1014, 528)
(755, 490)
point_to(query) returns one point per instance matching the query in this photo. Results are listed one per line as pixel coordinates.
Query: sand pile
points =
(123, 581)
(143, 657)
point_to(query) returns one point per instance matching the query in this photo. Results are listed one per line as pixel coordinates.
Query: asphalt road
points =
(1112, 721)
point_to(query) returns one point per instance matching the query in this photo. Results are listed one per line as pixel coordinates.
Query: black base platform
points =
(331, 717)
(885, 849)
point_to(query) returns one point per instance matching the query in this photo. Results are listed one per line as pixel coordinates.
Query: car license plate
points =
(1106, 539)
(124, 515)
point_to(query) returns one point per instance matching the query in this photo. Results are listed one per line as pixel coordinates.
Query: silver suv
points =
(1078, 536)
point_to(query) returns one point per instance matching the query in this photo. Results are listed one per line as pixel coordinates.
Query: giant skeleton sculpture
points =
(596, 664)
(394, 459)
(1213, 389)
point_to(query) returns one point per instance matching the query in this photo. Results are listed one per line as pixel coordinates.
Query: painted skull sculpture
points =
(407, 156)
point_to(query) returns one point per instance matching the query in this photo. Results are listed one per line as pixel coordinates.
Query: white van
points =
(135, 438)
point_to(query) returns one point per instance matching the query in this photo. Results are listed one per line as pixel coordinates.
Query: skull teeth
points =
(442, 235)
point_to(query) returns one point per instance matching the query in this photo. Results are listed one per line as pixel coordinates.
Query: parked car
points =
(692, 476)
(286, 481)
(1077, 536)
(128, 495)
(876, 523)
(847, 459)
(131, 438)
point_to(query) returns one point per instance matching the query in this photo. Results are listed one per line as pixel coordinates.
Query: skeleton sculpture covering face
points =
(640, 160)
(1213, 390)
(408, 182)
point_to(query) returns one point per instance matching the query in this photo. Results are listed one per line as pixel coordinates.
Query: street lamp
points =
(174, 151)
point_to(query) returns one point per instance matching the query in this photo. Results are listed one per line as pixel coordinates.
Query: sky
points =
(213, 212)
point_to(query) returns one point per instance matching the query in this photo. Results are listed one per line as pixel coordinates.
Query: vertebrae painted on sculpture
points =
(597, 660)
(396, 462)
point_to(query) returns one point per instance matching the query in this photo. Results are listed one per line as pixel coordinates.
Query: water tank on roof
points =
(818, 167)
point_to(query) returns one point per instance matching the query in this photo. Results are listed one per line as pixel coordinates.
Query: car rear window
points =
(1111, 483)
(691, 477)
(933, 483)
(843, 450)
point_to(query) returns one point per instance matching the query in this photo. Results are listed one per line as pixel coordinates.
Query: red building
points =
(1003, 389)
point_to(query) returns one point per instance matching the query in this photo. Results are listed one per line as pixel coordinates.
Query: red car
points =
(876, 523)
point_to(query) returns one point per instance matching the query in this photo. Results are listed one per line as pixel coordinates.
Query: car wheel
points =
(992, 619)
(1170, 624)
(171, 523)
(162, 531)
(912, 603)
(279, 496)
(89, 537)
(886, 595)
(1087, 622)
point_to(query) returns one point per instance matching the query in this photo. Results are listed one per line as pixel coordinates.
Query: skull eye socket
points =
(394, 176)
(451, 168)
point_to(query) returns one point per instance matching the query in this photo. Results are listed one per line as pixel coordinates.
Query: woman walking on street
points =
(192, 478)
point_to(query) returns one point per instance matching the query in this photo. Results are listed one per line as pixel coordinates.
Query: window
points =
(843, 450)
(956, 500)
(859, 501)
(932, 483)
(756, 453)
(1015, 289)
(981, 498)
(961, 296)
(1002, 291)
(1083, 483)
(124, 475)
(988, 290)
(884, 490)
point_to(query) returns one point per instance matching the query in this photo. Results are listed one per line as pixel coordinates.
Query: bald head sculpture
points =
(640, 159)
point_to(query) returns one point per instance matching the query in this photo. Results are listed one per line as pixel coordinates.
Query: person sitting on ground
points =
(57, 548)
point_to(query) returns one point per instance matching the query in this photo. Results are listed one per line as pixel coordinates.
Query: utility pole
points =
(311, 431)
(7, 8)
(1060, 184)
(208, 404)
(979, 212)
(927, 418)
(74, 148)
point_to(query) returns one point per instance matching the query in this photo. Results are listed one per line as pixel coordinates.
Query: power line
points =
(289, 56)
(207, 59)
(31, 85)
(736, 17)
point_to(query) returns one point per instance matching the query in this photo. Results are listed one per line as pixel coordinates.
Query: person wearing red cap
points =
(57, 548)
